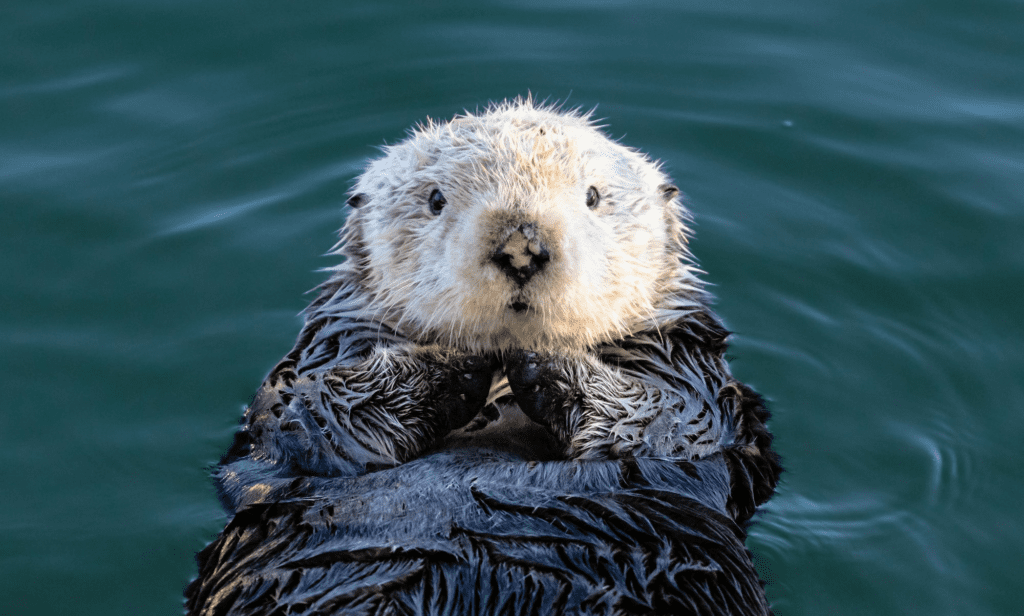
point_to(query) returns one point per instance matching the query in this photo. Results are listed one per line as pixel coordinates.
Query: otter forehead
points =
(517, 150)
(520, 227)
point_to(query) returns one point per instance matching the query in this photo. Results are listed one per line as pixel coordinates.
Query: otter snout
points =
(521, 255)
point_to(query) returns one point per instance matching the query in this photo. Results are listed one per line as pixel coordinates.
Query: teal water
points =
(171, 172)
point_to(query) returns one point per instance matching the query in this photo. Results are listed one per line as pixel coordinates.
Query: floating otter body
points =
(509, 397)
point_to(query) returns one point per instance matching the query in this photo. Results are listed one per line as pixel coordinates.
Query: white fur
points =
(612, 270)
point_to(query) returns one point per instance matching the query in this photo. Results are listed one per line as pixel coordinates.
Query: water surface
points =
(171, 173)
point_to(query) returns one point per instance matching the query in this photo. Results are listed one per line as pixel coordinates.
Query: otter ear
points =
(356, 200)
(668, 191)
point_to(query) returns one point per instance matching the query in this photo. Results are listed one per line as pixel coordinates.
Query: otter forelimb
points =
(666, 393)
(376, 411)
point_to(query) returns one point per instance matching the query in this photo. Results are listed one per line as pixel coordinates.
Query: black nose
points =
(521, 255)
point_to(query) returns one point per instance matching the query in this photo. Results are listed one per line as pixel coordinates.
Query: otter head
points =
(522, 227)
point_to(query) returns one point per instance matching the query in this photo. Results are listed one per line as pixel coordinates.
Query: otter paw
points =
(460, 387)
(537, 384)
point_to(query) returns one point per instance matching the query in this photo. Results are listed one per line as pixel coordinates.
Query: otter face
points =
(519, 228)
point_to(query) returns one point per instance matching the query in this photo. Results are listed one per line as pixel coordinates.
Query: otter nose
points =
(521, 256)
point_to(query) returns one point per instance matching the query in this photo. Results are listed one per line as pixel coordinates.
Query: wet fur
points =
(426, 449)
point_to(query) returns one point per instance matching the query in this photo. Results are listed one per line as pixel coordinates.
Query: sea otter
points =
(510, 396)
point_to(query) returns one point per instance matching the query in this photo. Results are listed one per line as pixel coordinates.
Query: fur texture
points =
(511, 396)
(612, 268)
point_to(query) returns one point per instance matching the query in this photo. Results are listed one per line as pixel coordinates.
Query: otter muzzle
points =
(521, 255)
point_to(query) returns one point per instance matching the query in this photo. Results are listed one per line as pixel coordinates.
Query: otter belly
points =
(480, 531)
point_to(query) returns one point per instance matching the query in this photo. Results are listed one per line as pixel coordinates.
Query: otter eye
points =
(437, 202)
(592, 197)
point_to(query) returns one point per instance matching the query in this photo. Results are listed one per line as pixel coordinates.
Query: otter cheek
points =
(650, 236)
(591, 266)
(472, 297)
